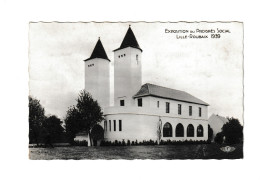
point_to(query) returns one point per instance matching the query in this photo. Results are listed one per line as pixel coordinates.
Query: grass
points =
(203, 151)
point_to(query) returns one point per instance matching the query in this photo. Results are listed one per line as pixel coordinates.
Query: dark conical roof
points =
(98, 52)
(129, 41)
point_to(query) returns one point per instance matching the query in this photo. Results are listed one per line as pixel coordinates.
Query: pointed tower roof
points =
(129, 40)
(98, 52)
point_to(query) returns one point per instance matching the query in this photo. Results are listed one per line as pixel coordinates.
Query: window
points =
(179, 109)
(118, 56)
(90, 65)
(158, 104)
(190, 110)
(114, 125)
(167, 107)
(121, 55)
(120, 125)
(122, 102)
(105, 125)
(109, 125)
(137, 57)
(124, 54)
(190, 130)
(140, 102)
(167, 130)
(200, 131)
(179, 130)
(199, 111)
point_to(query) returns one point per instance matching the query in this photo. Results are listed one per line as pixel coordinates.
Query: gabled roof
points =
(129, 41)
(217, 117)
(167, 93)
(98, 52)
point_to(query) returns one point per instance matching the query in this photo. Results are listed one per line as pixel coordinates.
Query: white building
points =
(139, 111)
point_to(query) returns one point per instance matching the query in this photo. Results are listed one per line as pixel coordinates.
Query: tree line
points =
(81, 117)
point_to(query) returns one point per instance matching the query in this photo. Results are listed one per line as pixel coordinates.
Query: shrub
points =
(123, 143)
(136, 142)
(80, 143)
(128, 143)
(219, 138)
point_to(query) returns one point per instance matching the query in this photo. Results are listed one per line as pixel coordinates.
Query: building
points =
(216, 122)
(141, 111)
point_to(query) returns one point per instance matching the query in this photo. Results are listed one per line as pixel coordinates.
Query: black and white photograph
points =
(136, 90)
(129, 90)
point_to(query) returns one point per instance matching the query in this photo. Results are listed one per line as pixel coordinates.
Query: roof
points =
(129, 40)
(98, 52)
(214, 117)
(167, 93)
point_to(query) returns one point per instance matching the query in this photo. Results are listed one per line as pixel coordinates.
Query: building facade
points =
(141, 112)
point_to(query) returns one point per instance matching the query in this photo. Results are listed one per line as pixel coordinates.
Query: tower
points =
(97, 75)
(127, 70)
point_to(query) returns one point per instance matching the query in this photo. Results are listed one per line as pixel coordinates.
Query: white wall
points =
(151, 102)
(97, 80)
(141, 124)
(127, 75)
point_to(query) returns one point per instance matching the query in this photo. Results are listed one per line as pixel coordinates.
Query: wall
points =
(141, 124)
(97, 80)
(151, 102)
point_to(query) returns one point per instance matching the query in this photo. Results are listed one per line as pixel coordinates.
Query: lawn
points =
(203, 151)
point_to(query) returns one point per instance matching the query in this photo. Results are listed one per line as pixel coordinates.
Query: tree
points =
(219, 138)
(233, 131)
(52, 127)
(36, 118)
(210, 133)
(84, 116)
(73, 123)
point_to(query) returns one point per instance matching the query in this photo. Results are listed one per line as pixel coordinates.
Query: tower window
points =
(137, 59)
(105, 125)
(114, 125)
(122, 102)
(118, 56)
(199, 111)
(120, 125)
(158, 104)
(124, 54)
(167, 107)
(190, 110)
(109, 125)
(121, 55)
(140, 102)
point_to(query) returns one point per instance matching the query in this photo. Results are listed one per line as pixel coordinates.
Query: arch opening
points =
(179, 130)
(200, 131)
(167, 130)
(190, 130)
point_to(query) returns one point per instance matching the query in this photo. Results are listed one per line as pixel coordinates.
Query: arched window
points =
(167, 130)
(190, 130)
(200, 131)
(179, 130)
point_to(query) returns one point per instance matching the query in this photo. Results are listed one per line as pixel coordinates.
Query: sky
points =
(210, 69)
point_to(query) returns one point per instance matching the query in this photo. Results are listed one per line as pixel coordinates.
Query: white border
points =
(15, 15)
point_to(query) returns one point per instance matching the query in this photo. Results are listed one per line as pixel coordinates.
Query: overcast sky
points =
(210, 69)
